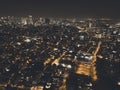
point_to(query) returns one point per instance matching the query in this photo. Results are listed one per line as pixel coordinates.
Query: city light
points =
(39, 53)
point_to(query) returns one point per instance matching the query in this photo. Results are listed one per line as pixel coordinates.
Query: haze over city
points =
(61, 8)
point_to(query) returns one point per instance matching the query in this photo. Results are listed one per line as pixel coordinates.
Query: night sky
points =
(61, 8)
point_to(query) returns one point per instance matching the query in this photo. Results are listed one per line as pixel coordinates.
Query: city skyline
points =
(61, 8)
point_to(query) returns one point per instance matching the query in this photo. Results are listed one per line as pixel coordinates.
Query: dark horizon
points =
(61, 8)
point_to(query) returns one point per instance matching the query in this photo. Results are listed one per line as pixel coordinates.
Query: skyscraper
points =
(30, 20)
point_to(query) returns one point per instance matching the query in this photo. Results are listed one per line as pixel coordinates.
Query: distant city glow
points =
(58, 54)
(119, 83)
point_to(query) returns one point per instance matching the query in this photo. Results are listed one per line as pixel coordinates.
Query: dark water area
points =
(108, 75)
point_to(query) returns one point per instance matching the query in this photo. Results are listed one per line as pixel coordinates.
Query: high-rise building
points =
(23, 21)
(30, 20)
